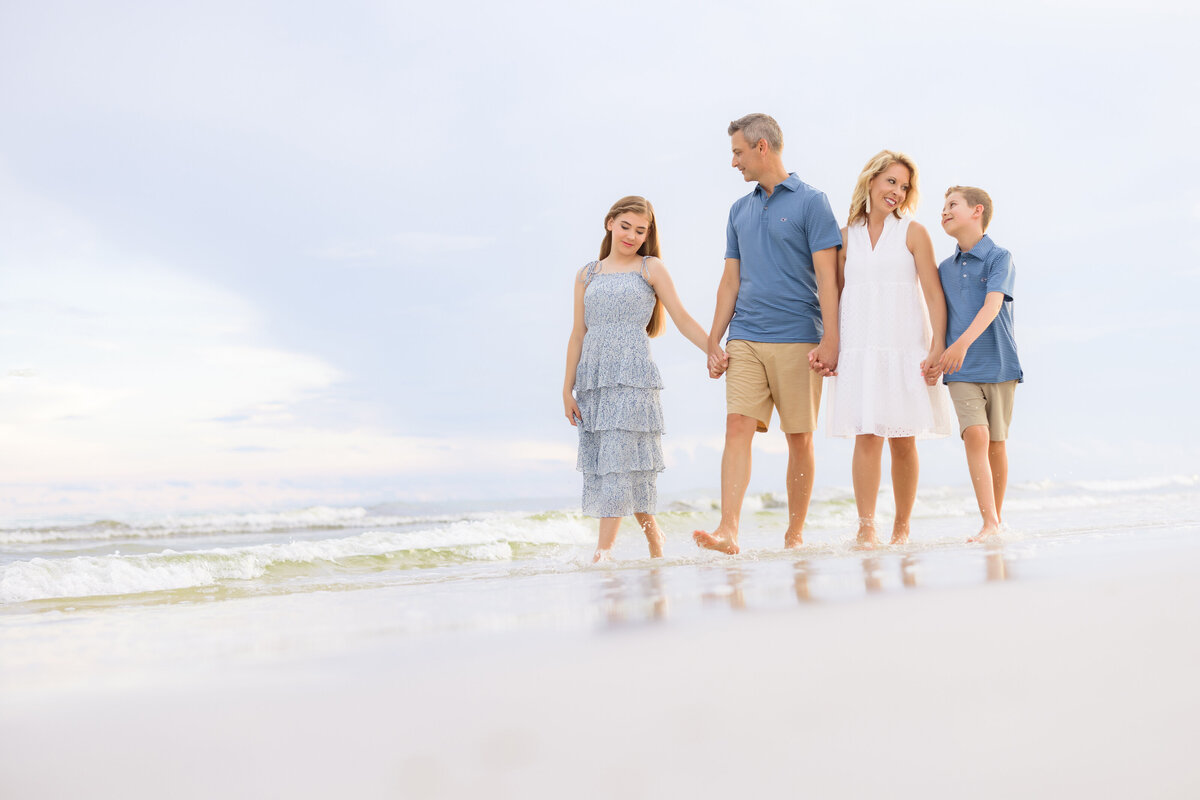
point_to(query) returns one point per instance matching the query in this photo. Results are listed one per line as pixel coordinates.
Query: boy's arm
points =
(952, 359)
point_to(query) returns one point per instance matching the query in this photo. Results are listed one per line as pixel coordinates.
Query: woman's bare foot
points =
(866, 535)
(988, 530)
(899, 533)
(721, 540)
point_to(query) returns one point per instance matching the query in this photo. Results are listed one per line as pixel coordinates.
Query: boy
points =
(980, 366)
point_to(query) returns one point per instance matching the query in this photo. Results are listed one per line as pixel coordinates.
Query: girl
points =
(619, 303)
(886, 385)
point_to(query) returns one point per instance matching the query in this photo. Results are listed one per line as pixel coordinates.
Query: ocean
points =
(78, 596)
(473, 649)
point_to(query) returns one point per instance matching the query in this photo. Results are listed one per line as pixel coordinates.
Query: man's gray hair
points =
(759, 126)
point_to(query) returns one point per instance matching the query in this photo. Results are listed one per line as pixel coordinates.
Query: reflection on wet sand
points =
(657, 598)
(800, 581)
(732, 590)
(997, 566)
(640, 595)
(872, 574)
(632, 598)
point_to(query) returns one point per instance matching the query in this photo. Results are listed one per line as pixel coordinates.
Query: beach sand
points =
(1076, 684)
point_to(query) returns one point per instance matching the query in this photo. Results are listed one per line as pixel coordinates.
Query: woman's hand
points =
(571, 409)
(931, 367)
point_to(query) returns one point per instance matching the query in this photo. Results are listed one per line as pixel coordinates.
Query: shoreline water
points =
(487, 656)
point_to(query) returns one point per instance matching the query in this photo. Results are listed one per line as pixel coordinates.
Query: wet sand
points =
(1067, 684)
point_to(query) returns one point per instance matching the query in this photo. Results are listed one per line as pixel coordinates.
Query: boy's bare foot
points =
(718, 540)
(988, 530)
(866, 535)
(899, 533)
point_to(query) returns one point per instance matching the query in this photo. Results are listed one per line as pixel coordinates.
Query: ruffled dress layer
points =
(885, 334)
(616, 387)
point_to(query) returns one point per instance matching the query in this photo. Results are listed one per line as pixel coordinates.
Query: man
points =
(778, 299)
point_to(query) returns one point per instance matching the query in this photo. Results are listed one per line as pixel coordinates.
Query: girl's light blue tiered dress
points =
(616, 388)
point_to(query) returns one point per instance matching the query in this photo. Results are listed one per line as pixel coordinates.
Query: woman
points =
(886, 385)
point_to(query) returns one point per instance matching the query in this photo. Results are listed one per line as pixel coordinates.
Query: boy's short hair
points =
(759, 126)
(976, 197)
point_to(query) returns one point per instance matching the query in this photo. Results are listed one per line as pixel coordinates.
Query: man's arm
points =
(727, 292)
(824, 357)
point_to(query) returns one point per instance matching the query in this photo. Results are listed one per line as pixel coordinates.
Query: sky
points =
(264, 255)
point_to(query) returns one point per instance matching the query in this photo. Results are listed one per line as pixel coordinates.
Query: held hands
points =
(931, 368)
(823, 359)
(718, 361)
(951, 360)
(571, 409)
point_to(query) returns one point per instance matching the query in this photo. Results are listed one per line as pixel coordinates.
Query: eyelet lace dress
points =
(885, 333)
(616, 388)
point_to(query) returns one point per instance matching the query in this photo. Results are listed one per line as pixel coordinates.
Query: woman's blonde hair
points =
(638, 205)
(879, 162)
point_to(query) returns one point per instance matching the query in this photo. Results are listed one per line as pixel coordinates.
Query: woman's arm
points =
(841, 267)
(574, 351)
(921, 247)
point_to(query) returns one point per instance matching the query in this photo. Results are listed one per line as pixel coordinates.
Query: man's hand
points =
(718, 361)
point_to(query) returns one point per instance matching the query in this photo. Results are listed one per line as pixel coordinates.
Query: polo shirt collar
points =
(981, 249)
(791, 183)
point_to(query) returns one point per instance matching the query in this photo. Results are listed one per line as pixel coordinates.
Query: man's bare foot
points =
(988, 530)
(793, 541)
(601, 555)
(717, 540)
(866, 536)
(899, 533)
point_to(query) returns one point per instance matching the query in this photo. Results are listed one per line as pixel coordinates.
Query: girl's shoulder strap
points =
(645, 269)
(590, 270)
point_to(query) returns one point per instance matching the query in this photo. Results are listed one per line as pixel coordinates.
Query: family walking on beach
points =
(899, 339)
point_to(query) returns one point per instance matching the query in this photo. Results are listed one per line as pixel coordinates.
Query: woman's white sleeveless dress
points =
(885, 334)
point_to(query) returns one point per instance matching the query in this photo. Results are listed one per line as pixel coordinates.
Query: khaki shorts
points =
(766, 375)
(984, 404)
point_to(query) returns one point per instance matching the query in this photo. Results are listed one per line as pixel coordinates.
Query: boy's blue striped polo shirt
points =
(967, 278)
(774, 237)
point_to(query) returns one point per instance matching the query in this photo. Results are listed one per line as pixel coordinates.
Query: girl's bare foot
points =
(655, 538)
(899, 533)
(601, 555)
(866, 535)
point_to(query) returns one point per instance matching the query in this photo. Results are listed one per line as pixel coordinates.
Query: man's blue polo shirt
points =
(967, 278)
(774, 237)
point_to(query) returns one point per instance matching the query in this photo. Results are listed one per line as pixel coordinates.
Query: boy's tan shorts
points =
(767, 375)
(988, 404)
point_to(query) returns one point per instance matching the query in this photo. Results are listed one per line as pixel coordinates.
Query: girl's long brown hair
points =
(638, 205)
